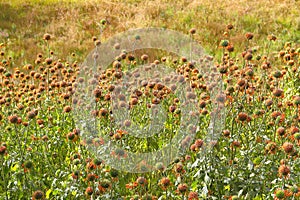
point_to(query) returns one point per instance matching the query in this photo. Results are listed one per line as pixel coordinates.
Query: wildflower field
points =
(95, 103)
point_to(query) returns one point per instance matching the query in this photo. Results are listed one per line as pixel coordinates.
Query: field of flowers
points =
(45, 150)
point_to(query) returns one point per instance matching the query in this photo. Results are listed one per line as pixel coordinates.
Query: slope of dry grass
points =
(73, 23)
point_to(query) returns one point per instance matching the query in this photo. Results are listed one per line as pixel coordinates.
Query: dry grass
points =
(73, 23)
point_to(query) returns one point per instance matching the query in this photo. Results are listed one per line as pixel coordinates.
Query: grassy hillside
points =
(73, 23)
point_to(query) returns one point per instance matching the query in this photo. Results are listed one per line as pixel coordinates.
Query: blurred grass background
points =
(73, 23)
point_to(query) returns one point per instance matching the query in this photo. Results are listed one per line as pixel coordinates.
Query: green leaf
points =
(194, 185)
(15, 168)
(74, 192)
(257, 198)
(56, 191)
(48, 193)
(227, 187)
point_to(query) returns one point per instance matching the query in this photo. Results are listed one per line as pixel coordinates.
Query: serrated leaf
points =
(195, 164)
(204, 190)
(197, 174)
(268, 162)
(250, 165)
(207, 180)
(240, 192)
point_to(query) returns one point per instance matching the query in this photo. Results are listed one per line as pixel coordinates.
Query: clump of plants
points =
(44, 153)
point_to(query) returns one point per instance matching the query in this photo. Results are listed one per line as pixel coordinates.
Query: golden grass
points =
(73, 23)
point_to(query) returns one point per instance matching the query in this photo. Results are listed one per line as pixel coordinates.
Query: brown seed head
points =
(249, 36)
(242, 116)
(182, 187)
(38, 195)
(284, 170)
(47, 36)
(288, 147)
(13, 119)
(229, 26)
(67, 109)
(192, 31)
